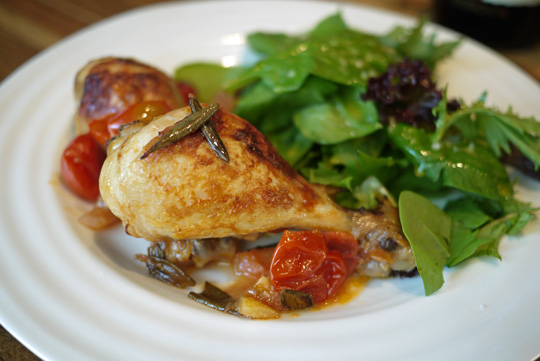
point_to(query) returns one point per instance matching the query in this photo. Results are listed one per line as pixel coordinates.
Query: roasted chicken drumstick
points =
(185, 191)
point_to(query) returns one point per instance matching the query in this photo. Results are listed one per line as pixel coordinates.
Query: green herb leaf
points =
(168, 272)
(296, 300)
(215, 298)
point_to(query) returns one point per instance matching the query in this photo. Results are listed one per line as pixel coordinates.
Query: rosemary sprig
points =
(184, 127)
(210, 132)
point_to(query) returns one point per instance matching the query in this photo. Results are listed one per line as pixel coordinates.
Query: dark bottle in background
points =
(501, 24)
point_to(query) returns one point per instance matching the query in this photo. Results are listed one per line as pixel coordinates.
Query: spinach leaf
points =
(344, 116)
(268, 44)
(329, 26)
(409, 179)
(469, 226)
(428, 230)
(208, 79)
(331, 51)
(262, 106)
(271, 43)
(350, 59)
(291, 144)
(282, 72)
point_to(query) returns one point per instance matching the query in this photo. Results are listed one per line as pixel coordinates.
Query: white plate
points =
(69, 294)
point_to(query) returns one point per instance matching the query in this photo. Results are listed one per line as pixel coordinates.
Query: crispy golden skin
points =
(110, 85)
(185, 191)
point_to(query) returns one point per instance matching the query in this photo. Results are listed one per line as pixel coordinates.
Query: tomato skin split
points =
(313, 262)
(80, 166)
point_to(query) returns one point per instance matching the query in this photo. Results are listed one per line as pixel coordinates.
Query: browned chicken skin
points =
(110, 85)
(185, 191)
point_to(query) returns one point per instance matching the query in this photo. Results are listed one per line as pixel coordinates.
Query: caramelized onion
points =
(99, 218)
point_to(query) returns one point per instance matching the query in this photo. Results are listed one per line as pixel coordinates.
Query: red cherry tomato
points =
(80, 166)
(312, 262)
(346, 245)
(99, 130)
(106, 128)
(185, 89)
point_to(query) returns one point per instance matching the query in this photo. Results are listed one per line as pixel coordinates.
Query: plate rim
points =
(37, 60)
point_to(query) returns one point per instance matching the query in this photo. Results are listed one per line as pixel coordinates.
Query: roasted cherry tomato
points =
(80, 166)
(346, 245)
(313, 262)
(185, 89)
(106, 128)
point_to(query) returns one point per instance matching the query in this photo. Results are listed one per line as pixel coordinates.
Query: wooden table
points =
(29, 26)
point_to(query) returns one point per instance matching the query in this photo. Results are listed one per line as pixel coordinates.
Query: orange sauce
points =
(351, 288)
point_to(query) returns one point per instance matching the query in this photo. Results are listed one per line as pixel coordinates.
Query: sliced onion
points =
(99, 218)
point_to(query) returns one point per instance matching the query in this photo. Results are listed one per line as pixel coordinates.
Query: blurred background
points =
(30, 26)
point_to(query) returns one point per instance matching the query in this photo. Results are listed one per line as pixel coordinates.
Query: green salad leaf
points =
(207, 78)
(468, 167)
(428, 229)
(308, 94)
(479, 225)
(498, 129)
(342, 117)
(331, 51)
(412, 43)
